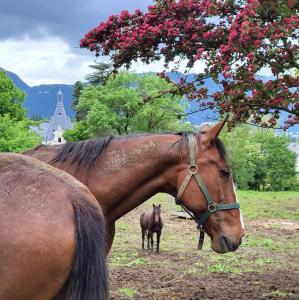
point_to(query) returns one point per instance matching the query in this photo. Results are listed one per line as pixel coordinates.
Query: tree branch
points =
(290, 53)
(193, 112)
(260, 126)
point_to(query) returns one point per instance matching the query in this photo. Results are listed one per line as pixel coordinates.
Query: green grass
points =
(167, 202)
(235, 263)
(260, 241)
(127, 259)
(269, 205)
(253, 256)
(280, 294)
(128, 292)
(122, 226)
(254, 205)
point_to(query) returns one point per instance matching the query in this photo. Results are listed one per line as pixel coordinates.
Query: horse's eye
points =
(225, 173)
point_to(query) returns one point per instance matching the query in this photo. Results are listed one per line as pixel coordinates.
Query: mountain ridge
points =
(41, 99)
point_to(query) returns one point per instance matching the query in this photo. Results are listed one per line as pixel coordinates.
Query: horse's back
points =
(37, 232)
(37, 229)
(145, 220)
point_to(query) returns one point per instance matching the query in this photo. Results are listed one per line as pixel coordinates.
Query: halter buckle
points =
(212, 207)
(193, 169)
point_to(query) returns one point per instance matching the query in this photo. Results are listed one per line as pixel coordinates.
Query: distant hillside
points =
(201, 116)
(41, 99)
(17, 80)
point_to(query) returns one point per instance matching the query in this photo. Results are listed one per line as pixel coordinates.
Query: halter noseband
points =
(212, 206)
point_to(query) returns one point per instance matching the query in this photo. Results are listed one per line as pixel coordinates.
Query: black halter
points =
(212, 206)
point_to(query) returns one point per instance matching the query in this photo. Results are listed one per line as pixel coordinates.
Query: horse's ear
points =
(159, 205)
(212, 133)
(215, 130)
(153, 205)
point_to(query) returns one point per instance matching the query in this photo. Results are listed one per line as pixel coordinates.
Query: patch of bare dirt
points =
(279, 224)
(165, 275)
(161, 282)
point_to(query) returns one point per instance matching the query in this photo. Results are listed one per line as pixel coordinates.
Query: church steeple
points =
(60, 98)
(59, 121)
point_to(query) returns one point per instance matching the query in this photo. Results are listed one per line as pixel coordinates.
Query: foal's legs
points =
(149, 235)
(152, 241)
(158, 240)
(143, 236)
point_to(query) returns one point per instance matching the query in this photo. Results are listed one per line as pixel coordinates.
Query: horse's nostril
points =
(225, 241)
(229, 245)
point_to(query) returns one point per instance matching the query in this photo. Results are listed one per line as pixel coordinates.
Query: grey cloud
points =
(68, 19)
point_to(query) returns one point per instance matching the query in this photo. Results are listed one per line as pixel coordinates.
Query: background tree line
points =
(118, 105)
(260, 159)
(124, 103)
(15, 132)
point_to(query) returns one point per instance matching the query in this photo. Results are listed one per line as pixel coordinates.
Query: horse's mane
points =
(86, 153)
(83, 153)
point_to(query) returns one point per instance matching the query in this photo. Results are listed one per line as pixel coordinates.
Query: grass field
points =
(266, 266)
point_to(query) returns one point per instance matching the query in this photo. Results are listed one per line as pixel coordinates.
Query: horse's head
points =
(156, 213)
(205, 187)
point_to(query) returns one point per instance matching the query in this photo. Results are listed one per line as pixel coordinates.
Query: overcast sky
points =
(39, 39)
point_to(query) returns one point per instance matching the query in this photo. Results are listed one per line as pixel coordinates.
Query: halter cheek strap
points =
(212, 206)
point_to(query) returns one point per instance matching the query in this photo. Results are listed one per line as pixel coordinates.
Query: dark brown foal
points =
(151, 222)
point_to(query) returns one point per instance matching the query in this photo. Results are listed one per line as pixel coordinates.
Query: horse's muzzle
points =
(227, 245)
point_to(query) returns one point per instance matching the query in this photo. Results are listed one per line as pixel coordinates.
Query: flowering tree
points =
(234, 39)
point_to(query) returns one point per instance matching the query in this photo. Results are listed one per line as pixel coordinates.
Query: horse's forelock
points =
(184, 141)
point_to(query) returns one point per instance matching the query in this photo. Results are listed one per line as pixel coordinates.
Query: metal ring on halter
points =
(212, 207)
(193, 166)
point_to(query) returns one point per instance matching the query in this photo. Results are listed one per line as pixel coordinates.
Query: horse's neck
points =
(131, 171)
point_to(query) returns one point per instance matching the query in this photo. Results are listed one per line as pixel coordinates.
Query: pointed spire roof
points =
(59, 119)
(60, 97)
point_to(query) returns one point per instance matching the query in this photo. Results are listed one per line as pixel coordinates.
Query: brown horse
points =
(123, 172)
(150, 223)
(52, 242)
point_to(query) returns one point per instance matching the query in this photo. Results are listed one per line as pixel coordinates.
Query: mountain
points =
(17, 80)
(200, 116)
(41, 99)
